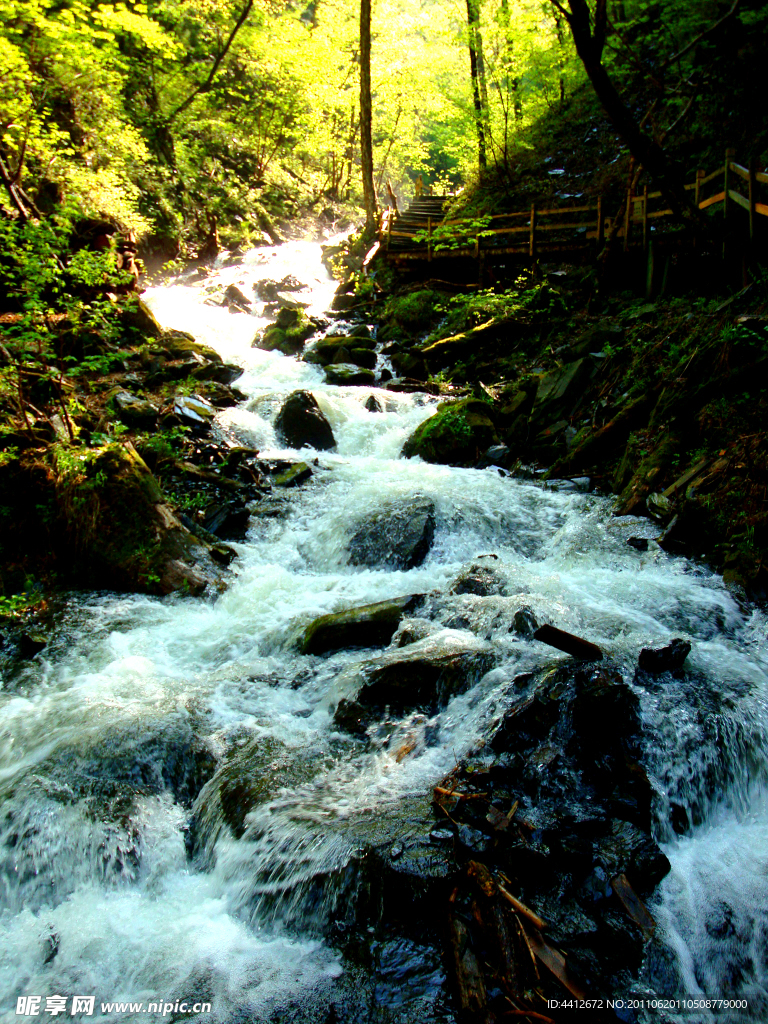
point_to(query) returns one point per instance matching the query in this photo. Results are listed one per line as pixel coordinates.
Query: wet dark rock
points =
(361, 331)
(664, 659)
(638, 543)
(525, 624)
(295, 474)
(249, 775)
(31, 644)
(125, 763)
(482, 580)
(343, 302)
(363, 357)
(223, 397)
(371, 625)
(372, 404)
(349, 375)
(300, 423)
(134, 411)
(410, 363)
(234, 297)
(223, 554)
(558, 391)
(326, 351)
(220, 373)
(423, 676)
(227, 520)
(576, 646)
(412, 630)
(398, 534)
(268, 291)
(497, 455)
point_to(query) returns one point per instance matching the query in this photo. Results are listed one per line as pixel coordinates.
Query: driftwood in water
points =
(576, 646)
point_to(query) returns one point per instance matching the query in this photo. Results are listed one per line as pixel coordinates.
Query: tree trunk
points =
(511, 81)
(366, 118)
(478, 86)
(589, 43)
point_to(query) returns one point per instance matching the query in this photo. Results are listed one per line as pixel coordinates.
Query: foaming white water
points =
(104, 739)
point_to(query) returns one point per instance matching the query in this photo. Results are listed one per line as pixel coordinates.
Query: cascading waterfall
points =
(107, 737)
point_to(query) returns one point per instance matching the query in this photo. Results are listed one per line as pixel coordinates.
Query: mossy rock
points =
(180, 344)
(447, 351)
(324, 351)
(121, 533)
(370, 625)
(293, 476)
(456, 435)
(288, 335)
(142, 319)
(349, 375)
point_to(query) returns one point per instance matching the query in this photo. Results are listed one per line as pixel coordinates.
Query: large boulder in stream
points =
(398, 535)
(370, 625)
(423, 676)
(349, 375)
(301, 424)
(457, 434)
(288, 334)
(340, 348)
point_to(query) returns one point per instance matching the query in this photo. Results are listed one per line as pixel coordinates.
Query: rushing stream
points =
(102, 737)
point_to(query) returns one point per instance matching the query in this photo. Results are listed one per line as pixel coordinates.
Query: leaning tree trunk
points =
(589, 35)
(366, 118)
(478, 86)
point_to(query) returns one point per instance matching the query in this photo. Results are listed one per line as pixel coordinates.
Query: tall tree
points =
(477, 71)
(366, 118)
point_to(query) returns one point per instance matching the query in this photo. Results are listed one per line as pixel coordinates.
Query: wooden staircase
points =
(424, 213)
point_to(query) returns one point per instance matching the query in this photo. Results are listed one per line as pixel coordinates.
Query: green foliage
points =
(414, 311)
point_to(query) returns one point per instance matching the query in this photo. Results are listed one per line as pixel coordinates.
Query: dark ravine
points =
(358, 767)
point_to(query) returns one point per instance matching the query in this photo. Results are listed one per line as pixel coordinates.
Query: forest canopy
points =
(165, 115)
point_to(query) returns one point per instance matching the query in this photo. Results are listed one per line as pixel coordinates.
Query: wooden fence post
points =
(729, 155)
(429, 239)
(532, 233)
(699, 175)
(600, 223)
(389, 229)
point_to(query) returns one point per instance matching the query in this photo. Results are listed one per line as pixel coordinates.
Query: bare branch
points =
(559, 6)
(702, 35)
(206, 85)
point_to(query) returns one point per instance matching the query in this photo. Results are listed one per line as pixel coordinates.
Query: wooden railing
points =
(559, 229)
